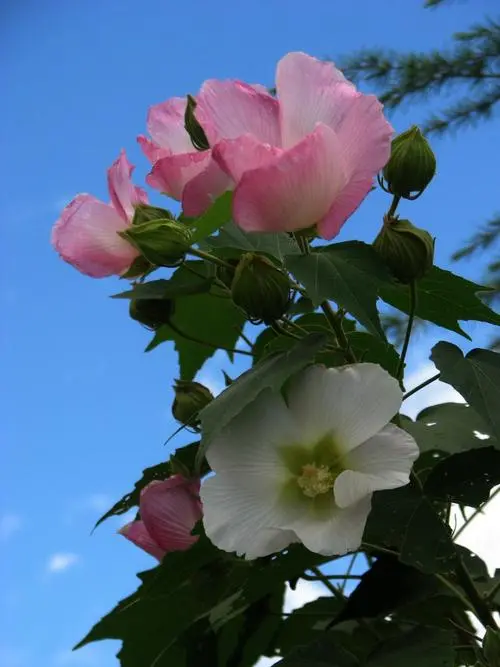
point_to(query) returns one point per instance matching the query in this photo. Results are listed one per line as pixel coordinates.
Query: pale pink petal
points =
(170, 510)
(170, 174)
(227, 109)
(345, 205)
(122, 192)
(202, 190)
(137, 533)
(296, 190)
(86, 237)
(311, 91)
(166, 125)
(235, 156)
(151, 150)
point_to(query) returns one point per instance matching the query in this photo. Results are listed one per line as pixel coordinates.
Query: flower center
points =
(315, 480)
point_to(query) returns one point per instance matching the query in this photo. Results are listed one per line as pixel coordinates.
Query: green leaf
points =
(328, 651)
(367, 347)
(276, 245)
(190, 278)
(466, 478)
(348, 273)
(270, 373)
(200, 326)
(269, 342)
(476, 376)
(217, 215)
(420, 647)
(443, 299)
(404, 521)
(449, 428)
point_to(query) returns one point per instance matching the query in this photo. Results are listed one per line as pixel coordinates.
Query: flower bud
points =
(260, 289)
(193, 127)
(152, 313)
(190, 398)
(491, 647)
(161, 242)
(225, 274)
(412, 164)
(407, 250)
(146, 213)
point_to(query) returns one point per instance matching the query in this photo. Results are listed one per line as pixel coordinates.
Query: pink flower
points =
(169, 511)
(307, 157)
(86, 233)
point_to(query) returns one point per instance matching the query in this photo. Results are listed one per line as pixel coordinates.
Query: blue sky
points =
(84, 409)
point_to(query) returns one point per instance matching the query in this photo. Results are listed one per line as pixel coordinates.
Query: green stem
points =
(210, 258)
(308, 577)
(394, 205)
(336, 324)
(492, 593)
(281, 331)
(406, 342)
(478, 602)
(324, 580)
(348, 573)
(421, 386)
(247, 340)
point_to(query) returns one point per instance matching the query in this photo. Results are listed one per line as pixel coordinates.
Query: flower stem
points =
(421, 386)
(479, 604)
(210, 258)
(348, 572)
(328, 584)
(406, 342)
(336, 324)
(394, 205)
(309, 577)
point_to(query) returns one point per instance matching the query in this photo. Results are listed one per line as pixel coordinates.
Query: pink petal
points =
(166, 125)
(151, 150)
(296, 190)
(235, 156)
(227, 109)
(123, 193)
(345, 205)
(86, 236)
(136, 532)
(170, 510)
(170, 174)
(202, 190)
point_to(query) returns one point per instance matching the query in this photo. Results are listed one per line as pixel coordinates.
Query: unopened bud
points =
(193, 127)
(161, 242)
(190, 398)
(260, 288)
(491, 647)
(146, 213)
(412, 164)
(152, 313)
(407, 250)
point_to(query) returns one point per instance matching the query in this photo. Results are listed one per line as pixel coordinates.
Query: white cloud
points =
(10, 524)
(59, 562)
(437, 392)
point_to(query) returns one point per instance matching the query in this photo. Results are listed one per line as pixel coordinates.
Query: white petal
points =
(238, 515)
(338, 533)
(251, 442)
(382, 462)
(350, 403)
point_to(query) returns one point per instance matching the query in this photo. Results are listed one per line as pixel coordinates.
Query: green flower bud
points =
(152, 313)
(412, 164)
(190, 398)
(146, 213)
(407, 250)
(161, 242)
(491, 647)
(260, 288)
(193, 128)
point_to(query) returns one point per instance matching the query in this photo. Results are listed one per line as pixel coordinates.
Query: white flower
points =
(303, 468)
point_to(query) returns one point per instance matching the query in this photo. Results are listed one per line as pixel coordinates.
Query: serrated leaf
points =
(270, 373)
(429, 647)
(203, 324)
(276, 245)
(476, 376)
(443, 299)
(347, 273)
(367, 347)
(190, 278)
(217, 215)
(466, 478)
